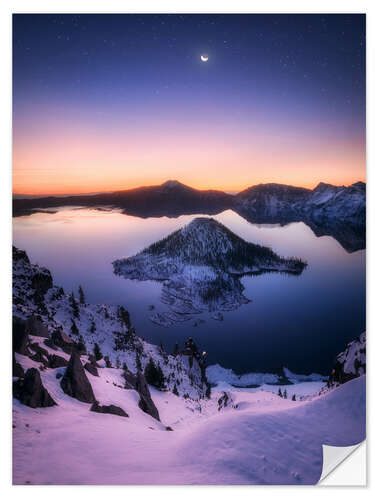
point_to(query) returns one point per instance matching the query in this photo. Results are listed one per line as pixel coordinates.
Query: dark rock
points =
(168, 428)
(41, 281)
(31, 392)
(75, 382)
(92, 360)
(130, 380)
(49, 343)
(36, 327)
(19, 255)
(58, 375)
(55, 361)
(39, 358)
(92, 369)
(61, 339)
(40, 355)
(112, 409)
(17, 368)
(146, 404)
(20, 337)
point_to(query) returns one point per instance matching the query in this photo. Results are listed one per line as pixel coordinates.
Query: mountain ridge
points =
(338, 211)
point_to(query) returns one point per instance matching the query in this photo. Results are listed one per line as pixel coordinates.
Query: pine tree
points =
(108, 363)
(154, 375)
(285, 394)
(74, 328)
(82, 299)
(74, 306)
(293, 397)
(138, 362)
(175, 391)
(97, 352)
(175, 350)
(93, 327)
(280, 394)
(208, 391)
(124, 316)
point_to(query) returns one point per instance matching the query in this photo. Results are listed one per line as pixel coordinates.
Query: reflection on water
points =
(301, 322)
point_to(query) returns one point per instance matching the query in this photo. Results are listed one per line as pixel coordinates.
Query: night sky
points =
(105, 102)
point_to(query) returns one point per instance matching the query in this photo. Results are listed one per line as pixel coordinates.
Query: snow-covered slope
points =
(257, 438)
(34, 295)
(200, 266)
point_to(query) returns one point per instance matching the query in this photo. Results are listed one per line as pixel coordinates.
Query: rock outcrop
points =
(62, 340)
(75, 382)
(350, 363)
(34, 326)
(91, 368)
(31, 392)
(20, 336)
(110, 409)
(138, 383)
(55, 361)
(146, 403)
(17, 369)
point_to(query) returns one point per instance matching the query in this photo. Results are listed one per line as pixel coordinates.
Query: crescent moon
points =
(204, 58)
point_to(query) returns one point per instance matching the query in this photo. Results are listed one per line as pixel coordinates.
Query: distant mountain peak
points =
(173, 184)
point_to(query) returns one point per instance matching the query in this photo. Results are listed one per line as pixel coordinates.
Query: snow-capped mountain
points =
(200, 266)
(49, 311)
(326, 201)
(172, 198)
(336, 211)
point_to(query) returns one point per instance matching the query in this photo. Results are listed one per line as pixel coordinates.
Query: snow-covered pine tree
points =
(81, 295)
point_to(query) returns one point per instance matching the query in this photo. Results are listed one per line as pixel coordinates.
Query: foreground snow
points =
(259, 438)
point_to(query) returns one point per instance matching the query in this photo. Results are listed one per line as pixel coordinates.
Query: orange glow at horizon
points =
(53, 161)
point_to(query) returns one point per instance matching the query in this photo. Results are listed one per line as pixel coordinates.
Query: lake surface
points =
(300, 322)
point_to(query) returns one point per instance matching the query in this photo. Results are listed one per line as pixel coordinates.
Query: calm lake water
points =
(300, 322)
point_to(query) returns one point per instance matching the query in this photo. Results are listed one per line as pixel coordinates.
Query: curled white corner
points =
(334, 456)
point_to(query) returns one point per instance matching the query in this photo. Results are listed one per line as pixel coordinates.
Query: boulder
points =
(55, 361)
(20, 337)
(17, 368)
(112, 409)
(31, 392)
(49, 343)
(40, 355)
(146, 404)
(92, 369)
(62, 340)
(75, 382)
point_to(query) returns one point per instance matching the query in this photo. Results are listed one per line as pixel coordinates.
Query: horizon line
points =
(228, 191)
